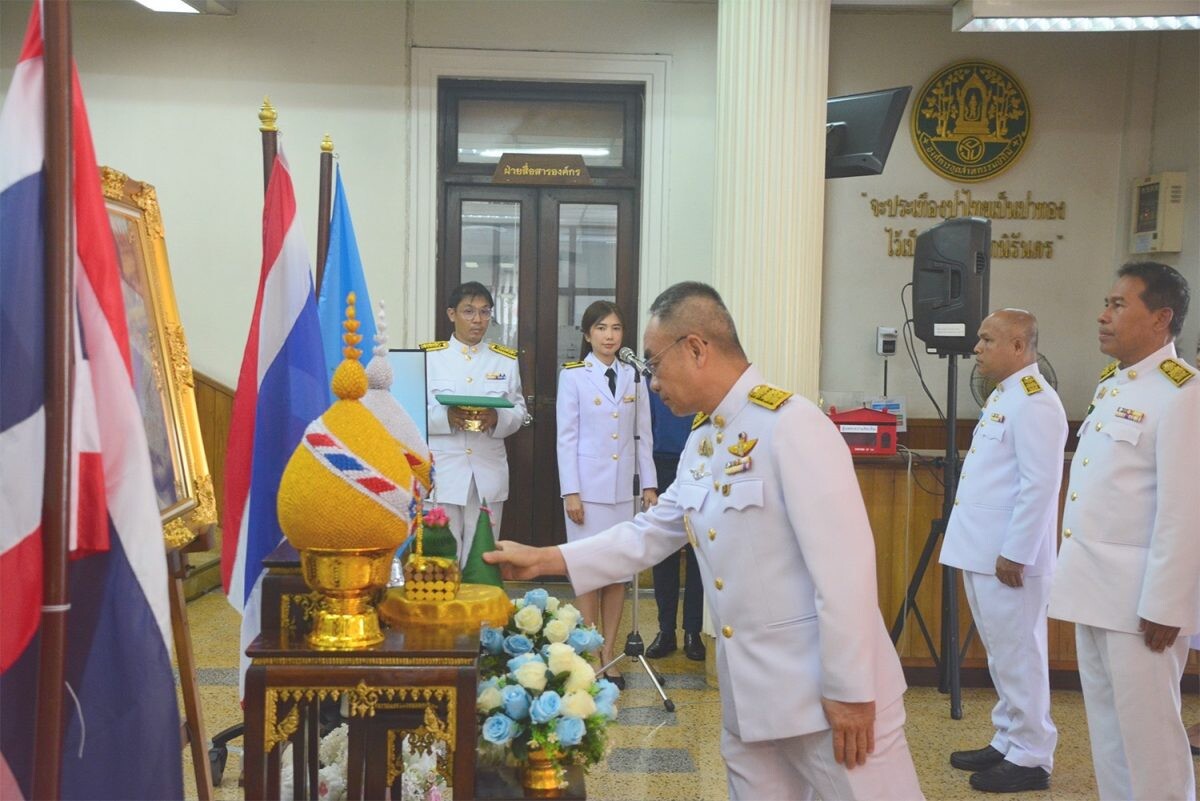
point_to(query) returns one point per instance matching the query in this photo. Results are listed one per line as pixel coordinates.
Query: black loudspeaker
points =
(951, 269)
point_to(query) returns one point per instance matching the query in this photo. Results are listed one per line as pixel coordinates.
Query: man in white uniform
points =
(471, 467)
(1002, 536)
(1129, 565)
(812, 694)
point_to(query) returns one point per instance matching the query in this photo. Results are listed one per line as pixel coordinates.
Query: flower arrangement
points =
(538, 691)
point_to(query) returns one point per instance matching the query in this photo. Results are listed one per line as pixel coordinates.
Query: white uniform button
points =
(615, 457)
(956, 501)
(727, 631)
(1074, 495)
(596, 401)
(719, 583)
(1132, 374)
(1099, 426)
(712, 534)
(614, 435)
(470, 380)
(1116, 391)
(615, 415)
(1086, 460)
(468, 451)
(1067, 533)
(972, 450)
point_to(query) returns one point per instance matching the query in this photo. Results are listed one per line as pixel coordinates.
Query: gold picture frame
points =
(162, 371)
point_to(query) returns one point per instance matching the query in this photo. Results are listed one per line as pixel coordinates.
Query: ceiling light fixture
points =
(495, 153)
(170, 6)
(1066, 16)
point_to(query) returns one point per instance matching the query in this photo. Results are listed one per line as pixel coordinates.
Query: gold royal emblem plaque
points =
(970, 121)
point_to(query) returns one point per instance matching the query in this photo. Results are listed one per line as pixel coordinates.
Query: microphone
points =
(627, 356)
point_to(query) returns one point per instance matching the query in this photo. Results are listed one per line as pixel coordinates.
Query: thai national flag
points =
(281, 389)
(343, 274)
(122, 723)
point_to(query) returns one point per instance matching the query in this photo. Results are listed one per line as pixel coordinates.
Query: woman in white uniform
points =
(599, 404)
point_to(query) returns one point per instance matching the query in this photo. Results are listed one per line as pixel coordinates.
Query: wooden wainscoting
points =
(214, 406)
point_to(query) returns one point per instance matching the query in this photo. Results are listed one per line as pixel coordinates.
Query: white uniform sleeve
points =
(1172, 583)
(826, 512)
(1039, 436)
(617, 553)
(567, 413)
(508, 421)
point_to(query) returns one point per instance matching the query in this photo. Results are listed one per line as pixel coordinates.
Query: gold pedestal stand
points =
(474, 605)
(345, 620)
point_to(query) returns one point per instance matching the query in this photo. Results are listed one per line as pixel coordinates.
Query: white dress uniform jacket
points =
(459, 456)
(595, 432)
(787, 558)
(1007, 499)
(1131, 525)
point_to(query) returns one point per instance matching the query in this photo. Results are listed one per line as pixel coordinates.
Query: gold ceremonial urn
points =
(540, 777)
(348, 582)
(473, 423)
(345, 502)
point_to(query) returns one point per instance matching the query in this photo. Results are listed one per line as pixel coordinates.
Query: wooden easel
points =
(191, 730)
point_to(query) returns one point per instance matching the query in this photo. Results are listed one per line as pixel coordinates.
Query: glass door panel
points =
(587, 267)
(490, 251)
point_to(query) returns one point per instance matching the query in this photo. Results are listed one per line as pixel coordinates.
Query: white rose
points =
(582, 675)
(551, 604)
(532, 675)
(489, 699)
(557, 631)
(578, 704)
(529, 619)
(560, 656)
(569, 615)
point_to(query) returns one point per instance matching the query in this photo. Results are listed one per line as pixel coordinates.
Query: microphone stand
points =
(634, 647)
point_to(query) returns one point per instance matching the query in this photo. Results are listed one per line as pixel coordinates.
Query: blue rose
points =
(597, 640)
(607, 692)
(499, 729)
(545, 652)
(519, 660)
(545, 707)
(517, 644)
(570, 731)
(494, 681)
(516, 701)
(580, 640)
(538, 598)
(606, 709)
(491, 639)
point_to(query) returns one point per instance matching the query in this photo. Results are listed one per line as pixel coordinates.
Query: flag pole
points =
(324, 206)
(60, 365)
(267, 115)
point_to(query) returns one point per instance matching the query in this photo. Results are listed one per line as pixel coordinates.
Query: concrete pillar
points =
(772, 83)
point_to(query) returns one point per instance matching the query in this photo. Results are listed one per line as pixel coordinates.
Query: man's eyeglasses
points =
(471, 313)
(655, 361)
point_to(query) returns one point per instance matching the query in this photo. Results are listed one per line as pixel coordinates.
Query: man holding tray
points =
(475, 401)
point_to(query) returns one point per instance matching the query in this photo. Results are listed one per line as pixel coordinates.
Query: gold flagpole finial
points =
(326, 144)
(267, 115)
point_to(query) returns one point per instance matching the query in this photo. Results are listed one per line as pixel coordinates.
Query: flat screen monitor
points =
(859, 130)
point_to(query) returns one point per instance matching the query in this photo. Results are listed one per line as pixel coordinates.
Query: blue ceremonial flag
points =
(343, 274)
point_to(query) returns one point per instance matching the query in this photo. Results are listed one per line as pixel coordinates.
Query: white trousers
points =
(464, 519)
(1139, 745)
(1012, 626)
(802, 768)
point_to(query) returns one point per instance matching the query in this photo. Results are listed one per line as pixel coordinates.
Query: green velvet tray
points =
(486, 401)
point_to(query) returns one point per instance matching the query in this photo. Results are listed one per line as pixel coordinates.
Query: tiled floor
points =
(675, 756)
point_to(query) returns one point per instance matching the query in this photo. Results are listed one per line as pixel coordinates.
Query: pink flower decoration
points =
(436, 518)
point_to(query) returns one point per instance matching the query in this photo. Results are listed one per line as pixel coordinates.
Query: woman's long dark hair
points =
(594, 314)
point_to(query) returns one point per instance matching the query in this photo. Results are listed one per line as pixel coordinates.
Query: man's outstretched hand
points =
(524, 562)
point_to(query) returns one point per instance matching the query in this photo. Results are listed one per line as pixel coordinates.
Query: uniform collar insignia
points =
(700, 419)
(1109, 371)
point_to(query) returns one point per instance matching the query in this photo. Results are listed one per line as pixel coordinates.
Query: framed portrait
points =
(162, 371)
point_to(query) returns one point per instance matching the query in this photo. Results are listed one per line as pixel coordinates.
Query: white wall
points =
(1078, 87)
(173, 101)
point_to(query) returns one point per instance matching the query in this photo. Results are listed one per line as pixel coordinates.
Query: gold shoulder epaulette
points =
(1032, 387)
(1109, 371)
(572, 365)
(1177, 372)
(700, 419)
(769, 397)
(503, 350)
(438, 345)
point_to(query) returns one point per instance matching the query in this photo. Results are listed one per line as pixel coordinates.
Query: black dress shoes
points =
(1009, 778)
(693, 646)
(617, 679)
(663, 644)
(979, 759)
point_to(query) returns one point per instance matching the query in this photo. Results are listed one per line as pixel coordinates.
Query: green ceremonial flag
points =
(477, 571)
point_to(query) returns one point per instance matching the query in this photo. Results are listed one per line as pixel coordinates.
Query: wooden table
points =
(422, 685)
